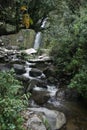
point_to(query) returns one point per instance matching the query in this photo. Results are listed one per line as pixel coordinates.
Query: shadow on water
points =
(76, 113)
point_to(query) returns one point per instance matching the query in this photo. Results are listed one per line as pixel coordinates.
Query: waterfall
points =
(37, 40)
(38, 36)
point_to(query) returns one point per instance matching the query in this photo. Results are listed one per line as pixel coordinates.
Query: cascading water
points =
(37, 40)
(39, 35)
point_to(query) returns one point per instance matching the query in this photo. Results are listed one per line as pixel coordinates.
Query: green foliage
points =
(80, 82)
(10, 102)
(8, 84)
(46, 123)
(70, 49)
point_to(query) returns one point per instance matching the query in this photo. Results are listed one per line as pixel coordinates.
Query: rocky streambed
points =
(50, 107)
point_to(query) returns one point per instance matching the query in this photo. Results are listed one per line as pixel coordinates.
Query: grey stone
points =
(19, 69)
(35, 72)
(29, 51)
(40, 96)
(35, 123)
(55, 119)
(24, 38)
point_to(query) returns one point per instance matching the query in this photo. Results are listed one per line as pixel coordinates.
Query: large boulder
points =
(55, 119)
(24, 38)
(34, 121)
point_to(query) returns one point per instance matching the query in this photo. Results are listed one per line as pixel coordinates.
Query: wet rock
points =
(60, 95)
(19, 69)
(3, 55)
(36, 73)
(29, 51)
(55, 119)
(67, 94)
(40, 96)
(36, 82)
(49, 70)
(5, 67)
(23, 79)
(15, 60)
(31, 65)
(43, 58)
(1, 42)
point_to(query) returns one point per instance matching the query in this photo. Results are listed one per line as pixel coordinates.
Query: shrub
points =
(80, 82)
(70, 51)
(10, 102)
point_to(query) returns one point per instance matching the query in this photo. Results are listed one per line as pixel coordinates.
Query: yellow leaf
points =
(31, 21)
(23, 8)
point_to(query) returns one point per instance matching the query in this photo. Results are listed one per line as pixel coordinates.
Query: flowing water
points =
(75, 111)
(38, 37)
(37, 40)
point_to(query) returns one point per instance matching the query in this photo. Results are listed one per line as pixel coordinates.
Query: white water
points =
(37, 40)
(51, 89)
(39, 36)
(28, 69)
(44, 23)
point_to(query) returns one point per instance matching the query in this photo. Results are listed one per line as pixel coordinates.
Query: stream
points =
(46, 95)
(75, 111)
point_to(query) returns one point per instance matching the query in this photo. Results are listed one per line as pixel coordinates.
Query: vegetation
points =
(68, 44)
(38, 10)
(66, 37)
(10, 102)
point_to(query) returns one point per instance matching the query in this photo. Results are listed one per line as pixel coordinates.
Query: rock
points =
(30, 51)
(43, 58)
(24, 38)
(60, 94)
(23, 79)
(49, 70)
(1, 43)
(36, 73)
(17, 61)
(55, 119)
(19, 69)
(35, 123)
(67, 94)
(36, 82)
(40, 96)
(5, 67)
